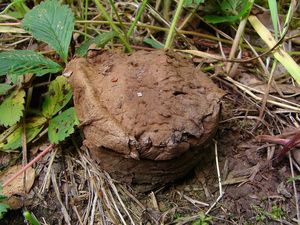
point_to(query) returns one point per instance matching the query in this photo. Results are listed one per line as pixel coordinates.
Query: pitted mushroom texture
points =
(147, 105)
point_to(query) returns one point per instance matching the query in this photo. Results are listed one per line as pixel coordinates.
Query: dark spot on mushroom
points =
(179, 93)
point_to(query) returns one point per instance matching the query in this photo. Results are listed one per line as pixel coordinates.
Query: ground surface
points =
(255, 192)
(69, 188)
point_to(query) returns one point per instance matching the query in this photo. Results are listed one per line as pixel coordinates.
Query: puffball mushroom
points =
(148, 116)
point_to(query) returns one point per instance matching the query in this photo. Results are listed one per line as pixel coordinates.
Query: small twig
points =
(296, 165)
(221, 193)
(214, 204)
(125, 191)
(295, 188)
(37, 158)
(154, 201)
(195, 202)
(248, 90)
(24, 148)
(116, 207)
(46, 182)
(236, 43)
(265, 97)
(276, 140)
(77, 214)
(288, 146)
(63, 208)
(118, 197)
(93, 209)
(173, 29)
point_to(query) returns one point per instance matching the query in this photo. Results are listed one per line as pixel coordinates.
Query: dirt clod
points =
(147, 116)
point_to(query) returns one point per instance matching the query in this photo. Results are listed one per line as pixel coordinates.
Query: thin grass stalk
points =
(289, 17)
(274, 16)
(122, 38)
(157, 28)
(117, 14)
(86, 4)
(137, 18)
(237, 40)
(172, 30)
(166, 8)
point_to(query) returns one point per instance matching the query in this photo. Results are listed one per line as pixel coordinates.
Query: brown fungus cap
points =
(147, 105)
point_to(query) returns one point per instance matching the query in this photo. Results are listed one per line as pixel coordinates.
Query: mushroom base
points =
(145, 175)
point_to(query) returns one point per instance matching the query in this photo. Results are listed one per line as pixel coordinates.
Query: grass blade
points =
(100, 40)
(137, 18)
(172, 30)
(283, 57)
(121, 36)
(274, 16)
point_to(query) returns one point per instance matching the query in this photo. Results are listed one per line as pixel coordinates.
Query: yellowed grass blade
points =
(8, 29)
(202, 54)
(283, 57)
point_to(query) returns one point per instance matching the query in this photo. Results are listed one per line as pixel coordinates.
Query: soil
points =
(147, 116)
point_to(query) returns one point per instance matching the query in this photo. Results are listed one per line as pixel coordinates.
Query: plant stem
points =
(172, 29)
(157, 28)
(37, 158)
(123, 38)
(236, 43)
(86, 4)
(117, 14)
(137, 18)
(166, 8)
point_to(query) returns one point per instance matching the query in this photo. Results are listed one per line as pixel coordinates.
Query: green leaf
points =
(2, 197)
(30, 218)
(100, 40)
(52, 23)
(4, 88)
(58, 95)
(230, 7)
(20, 7)
(291, 179)
(229, 11)
(274, 16)
(153, 43)
(221, 19)
(192, 3)
(20, 62)
(3, 209)
(11, 139)
(11, 109)
(61, 126)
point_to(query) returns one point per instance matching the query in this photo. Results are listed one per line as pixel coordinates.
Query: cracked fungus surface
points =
(154, 106)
